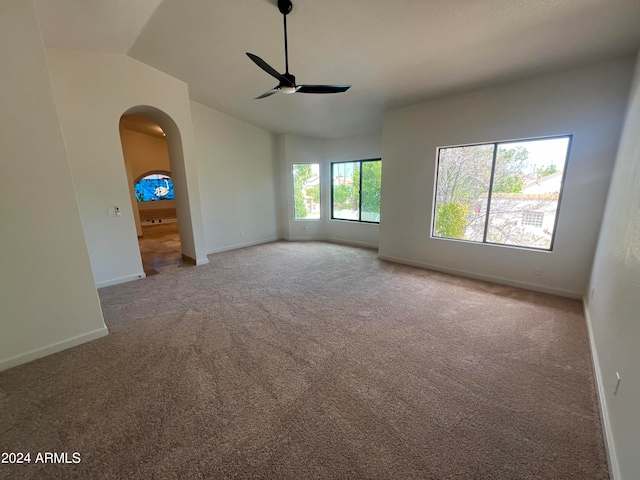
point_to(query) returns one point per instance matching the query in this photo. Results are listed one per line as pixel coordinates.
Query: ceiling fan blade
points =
(323, 88)
(269, 69)
(269, 93)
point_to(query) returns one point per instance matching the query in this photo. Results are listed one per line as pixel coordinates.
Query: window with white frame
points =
(306, 191)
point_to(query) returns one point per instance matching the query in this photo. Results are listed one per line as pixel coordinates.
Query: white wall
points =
(130, 182)
(237, 180)
(47, 298)
(298, 149)
(144, 152)
(92, 91)
(588, 102)
(614, 311)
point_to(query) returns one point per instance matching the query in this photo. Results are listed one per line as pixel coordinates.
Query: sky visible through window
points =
(543, 152)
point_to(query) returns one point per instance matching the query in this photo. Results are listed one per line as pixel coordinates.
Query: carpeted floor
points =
(312, 360)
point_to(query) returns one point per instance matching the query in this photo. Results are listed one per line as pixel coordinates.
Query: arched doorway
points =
(146, 158)
(152, 149)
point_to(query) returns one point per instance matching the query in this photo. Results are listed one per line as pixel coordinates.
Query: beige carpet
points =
(313, 360)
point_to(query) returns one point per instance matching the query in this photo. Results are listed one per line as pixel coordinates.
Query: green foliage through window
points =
(548, 170)
(371, 185)
(451, 220)
(306, 191)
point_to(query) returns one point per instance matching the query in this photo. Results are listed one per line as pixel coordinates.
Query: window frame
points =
(496, 145)
(293, 191)
(359, 220)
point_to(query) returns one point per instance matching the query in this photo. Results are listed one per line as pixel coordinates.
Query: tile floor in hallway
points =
(160, 252)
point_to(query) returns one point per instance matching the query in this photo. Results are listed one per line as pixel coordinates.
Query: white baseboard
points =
(614, 471)
(487, 278)
(242, 245)
(53, 348)
(193, 261)
(116, 281)
(339, 241)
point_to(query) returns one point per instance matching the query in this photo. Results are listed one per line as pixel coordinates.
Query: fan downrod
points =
(285, 6)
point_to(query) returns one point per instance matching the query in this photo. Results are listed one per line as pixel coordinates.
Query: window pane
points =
(306, 191)
(154, 187)
(371, 181)
(462, 190)
(526, 190)
(346, 190)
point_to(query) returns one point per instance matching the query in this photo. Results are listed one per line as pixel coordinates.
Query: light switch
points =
(112, 212)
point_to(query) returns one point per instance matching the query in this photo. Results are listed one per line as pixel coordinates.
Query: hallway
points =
(161, 252)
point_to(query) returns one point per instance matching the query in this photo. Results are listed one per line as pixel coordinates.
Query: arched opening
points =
(152, 151)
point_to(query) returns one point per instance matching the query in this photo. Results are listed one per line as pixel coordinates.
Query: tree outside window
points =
(306, 191)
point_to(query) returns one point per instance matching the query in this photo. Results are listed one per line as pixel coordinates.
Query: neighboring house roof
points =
(526, 196)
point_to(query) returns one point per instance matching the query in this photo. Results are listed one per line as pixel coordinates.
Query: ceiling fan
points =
(287, 81)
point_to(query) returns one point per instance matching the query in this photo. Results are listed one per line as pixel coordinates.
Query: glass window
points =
(355, 190)
(503, 193)
(154, 187)
(462, 191)
(346, 205)
(306, 191)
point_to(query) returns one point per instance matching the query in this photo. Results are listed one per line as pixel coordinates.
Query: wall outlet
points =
(537, 271)
(117, 210)
(618, 379)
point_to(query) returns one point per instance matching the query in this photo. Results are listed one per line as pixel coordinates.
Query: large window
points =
(355, 192)
(502, 193)
(153, 187)
(306, 191)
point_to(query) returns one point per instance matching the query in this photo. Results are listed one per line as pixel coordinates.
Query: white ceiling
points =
(393, 52)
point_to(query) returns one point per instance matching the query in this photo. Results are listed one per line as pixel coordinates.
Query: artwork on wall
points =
(154, 187)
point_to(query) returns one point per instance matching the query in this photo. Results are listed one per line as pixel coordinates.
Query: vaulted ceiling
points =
(393, 52)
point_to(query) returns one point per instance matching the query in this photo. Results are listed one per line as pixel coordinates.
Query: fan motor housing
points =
(285, 6)
(289, 77)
